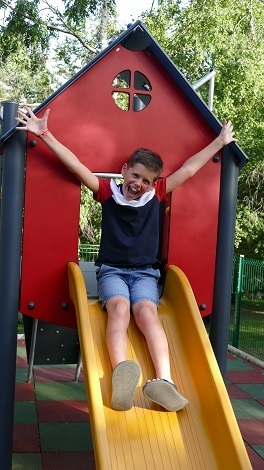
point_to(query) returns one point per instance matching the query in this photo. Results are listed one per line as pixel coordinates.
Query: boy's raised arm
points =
(197, 161)
(39, 127)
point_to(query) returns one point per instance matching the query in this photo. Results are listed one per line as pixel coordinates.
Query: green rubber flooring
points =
(52, 428)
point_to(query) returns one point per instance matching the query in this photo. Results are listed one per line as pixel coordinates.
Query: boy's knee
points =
(145, 313)
(118, 307)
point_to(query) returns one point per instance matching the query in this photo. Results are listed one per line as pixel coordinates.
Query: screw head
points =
(202, 307)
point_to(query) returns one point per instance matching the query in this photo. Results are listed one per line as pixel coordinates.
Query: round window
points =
(131, 91)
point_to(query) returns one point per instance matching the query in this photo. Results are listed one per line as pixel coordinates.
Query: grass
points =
(251, 328)
(256, 305)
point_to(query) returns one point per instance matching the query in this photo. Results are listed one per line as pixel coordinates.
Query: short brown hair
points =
(148, 158)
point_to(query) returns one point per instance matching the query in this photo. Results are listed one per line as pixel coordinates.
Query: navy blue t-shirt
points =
(130, 229)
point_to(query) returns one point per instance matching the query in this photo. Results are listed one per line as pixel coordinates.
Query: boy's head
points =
(151, 160)
(140, 173)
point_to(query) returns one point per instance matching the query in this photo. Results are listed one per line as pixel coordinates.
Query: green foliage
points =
(90, 218)
(198, 35)
(227, 36)
(23, 81)
(24, 26)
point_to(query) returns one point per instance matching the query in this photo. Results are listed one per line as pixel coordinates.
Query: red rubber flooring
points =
(52, 429)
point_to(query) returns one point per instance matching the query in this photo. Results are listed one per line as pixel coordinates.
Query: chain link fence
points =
(247, 308)
(88, 252)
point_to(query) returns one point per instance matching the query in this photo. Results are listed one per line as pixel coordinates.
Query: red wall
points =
(86, 119)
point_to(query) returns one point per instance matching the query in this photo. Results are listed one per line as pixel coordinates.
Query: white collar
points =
(119, 198)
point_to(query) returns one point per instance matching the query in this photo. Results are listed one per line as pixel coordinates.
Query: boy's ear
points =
(123, 169)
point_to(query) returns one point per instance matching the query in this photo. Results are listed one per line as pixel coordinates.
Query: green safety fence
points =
(247, 308)
(247, 304)
(88, 252)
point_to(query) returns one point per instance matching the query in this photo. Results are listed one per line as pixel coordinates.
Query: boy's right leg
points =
(114, 295)
(126, 373)
(118, 318)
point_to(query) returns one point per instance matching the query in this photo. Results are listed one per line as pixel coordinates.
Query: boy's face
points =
(137, 180)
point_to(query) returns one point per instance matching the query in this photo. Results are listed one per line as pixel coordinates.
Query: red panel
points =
(50, 237)
(87, 120)
(193, 231)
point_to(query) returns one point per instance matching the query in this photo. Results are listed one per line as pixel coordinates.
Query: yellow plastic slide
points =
(204, 435)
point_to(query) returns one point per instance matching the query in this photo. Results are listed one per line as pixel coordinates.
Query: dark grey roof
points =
(137, 38)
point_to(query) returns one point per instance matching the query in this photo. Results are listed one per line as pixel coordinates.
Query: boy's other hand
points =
(227, 134)
(31, 122)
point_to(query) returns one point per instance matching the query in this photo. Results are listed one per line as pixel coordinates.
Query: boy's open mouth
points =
(132, 191)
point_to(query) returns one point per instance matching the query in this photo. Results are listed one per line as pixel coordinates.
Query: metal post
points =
(211, 92)
(1, 158)
(78, 367)
(219, 327)
(138, 104)
(238, 300)
(10, 253)
(32, 349)
(209, 77)
(8, 112)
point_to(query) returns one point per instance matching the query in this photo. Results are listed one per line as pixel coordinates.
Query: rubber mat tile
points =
(247, 409)
(252, 431)
(26, 438)
(245, 377)
(255, 459)
(235, 392)
(21, 375)
(54, 375)
(24, 391)
(238, 365)
(60, 391)
(68, 461)
(259, 450)
(68, 411)
(26, 462)
(255, 366)
(25, 412)
(67, 437)
(254, 389)
(230, 357)
(22, 362)
(21, 349)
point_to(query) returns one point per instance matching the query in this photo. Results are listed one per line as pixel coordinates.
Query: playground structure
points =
(132, 96)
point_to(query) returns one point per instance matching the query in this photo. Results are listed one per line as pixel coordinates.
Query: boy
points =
(129, 243)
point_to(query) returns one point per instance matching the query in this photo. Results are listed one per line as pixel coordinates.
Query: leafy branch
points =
(65, 29)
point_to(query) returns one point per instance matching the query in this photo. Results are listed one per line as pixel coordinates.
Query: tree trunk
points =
(104, 21)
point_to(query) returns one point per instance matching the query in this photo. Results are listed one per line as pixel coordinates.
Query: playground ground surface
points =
(52, 429)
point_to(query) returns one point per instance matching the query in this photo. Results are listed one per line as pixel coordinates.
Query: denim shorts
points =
(134, 284)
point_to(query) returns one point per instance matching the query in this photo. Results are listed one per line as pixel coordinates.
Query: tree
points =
(41, 26)
(198, 35)
(90, 218)
(226, 36)
(23, 81)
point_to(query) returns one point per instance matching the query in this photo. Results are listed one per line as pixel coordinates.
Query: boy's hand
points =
(32, 123)
(227, 134)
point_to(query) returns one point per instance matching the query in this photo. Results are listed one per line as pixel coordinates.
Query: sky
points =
(129, 11)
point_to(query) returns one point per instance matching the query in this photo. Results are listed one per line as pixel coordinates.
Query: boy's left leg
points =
(160, 390)
(147, 320)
